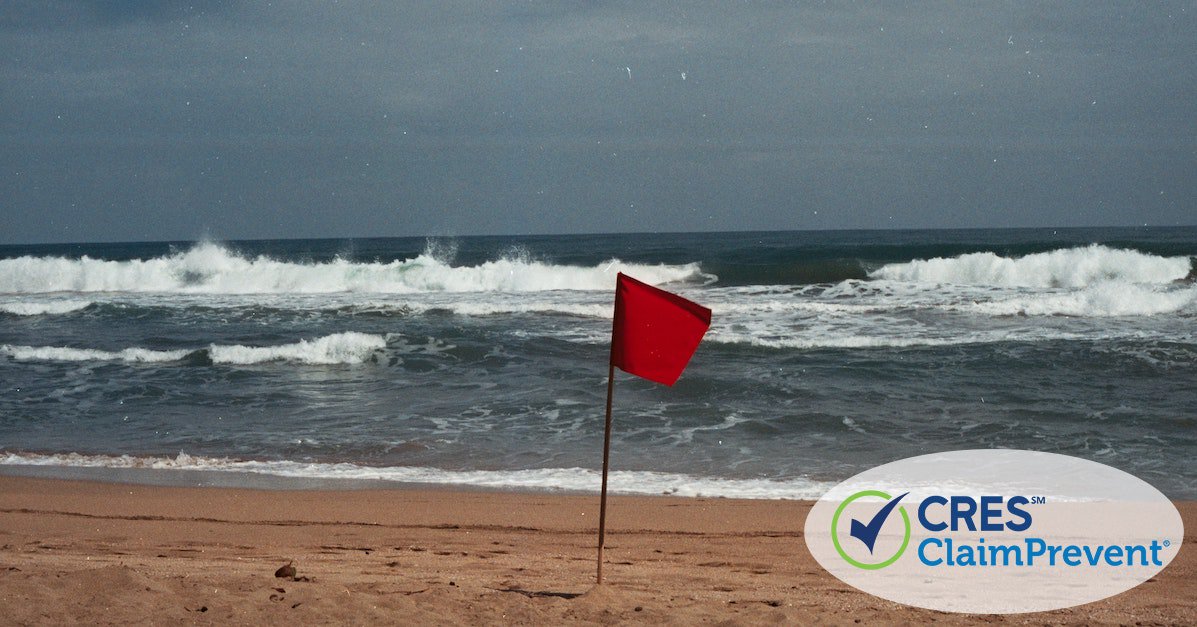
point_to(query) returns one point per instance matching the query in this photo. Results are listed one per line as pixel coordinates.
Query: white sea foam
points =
(548, 479)
(45, 308)
(490, 309)
(211, 269)
(1072, 267)
(59, 353)
(338, 348)
(847, 339)
(1108, 299)
(844, 340)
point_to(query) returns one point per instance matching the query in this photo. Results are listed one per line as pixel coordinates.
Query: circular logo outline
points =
(835, 539)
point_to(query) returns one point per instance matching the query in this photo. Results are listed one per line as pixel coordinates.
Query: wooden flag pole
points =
(606, 457)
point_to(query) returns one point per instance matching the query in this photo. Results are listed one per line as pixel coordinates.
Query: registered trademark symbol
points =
(1167, 543)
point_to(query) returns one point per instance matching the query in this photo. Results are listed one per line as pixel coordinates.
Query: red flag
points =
(655, 332)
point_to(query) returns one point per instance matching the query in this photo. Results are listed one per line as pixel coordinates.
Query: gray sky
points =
(144, 119)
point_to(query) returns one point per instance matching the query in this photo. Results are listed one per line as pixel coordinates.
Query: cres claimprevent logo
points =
(993, 531)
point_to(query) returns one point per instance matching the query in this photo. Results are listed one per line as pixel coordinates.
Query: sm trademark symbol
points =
(1038, 500)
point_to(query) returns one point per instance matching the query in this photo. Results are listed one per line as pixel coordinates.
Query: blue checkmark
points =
(868, 533)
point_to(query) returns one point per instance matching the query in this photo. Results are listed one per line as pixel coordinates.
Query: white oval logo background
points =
(1019, 555)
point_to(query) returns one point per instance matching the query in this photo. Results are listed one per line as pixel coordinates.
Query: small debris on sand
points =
(288, 571)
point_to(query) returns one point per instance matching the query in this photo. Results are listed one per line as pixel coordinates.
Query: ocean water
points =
(481, 361)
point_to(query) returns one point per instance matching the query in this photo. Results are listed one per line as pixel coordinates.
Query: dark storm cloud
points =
(133, 120)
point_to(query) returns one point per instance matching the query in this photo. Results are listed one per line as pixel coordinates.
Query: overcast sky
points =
(148, 120)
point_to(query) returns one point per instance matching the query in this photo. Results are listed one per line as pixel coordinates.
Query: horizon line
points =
(212, 239)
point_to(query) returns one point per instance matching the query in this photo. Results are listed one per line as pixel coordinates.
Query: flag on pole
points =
(655, 332)
(654, 335)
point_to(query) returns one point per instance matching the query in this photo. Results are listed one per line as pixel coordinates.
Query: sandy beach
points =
(77, 551)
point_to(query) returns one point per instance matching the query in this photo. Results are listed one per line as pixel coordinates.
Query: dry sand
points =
(73, 551)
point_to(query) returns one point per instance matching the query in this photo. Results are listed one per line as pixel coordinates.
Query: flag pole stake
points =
(606, 457)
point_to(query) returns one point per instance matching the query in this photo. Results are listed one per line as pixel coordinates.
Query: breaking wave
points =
(61, 353)
(339, 348)
(547, 479)
(211, 269)
(44, 308)
(1070, 267)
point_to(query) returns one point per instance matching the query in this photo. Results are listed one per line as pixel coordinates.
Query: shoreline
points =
(564, 481)
(111, 552)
